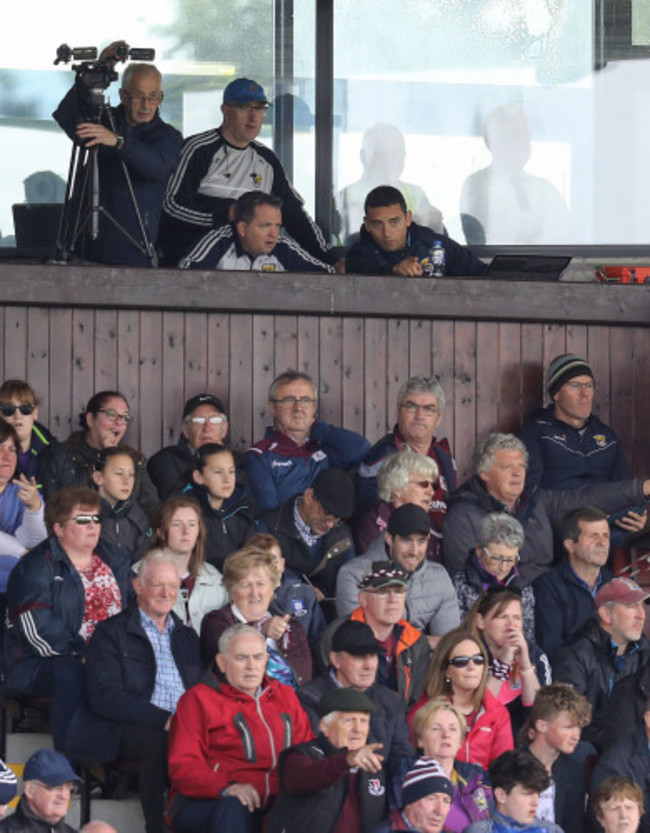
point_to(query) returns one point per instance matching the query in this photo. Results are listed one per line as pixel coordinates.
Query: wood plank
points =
(442, 366)
(510, 405)
(153, 375)
(487, 378)
(241, 374)
(465, 434)
(263, 373)
(353, 378)
(378, 412)
(83, 362)
(330, 370)
(38, 360)
(59, 388)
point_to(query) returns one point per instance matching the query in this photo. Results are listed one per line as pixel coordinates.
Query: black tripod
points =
(82, 207)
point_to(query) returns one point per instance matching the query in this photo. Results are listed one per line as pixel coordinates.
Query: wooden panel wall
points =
(492, 372)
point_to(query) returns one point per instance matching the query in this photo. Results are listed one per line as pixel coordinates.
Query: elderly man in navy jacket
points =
(138, 665)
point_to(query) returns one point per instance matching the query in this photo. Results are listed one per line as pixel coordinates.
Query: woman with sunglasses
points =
(56, 595)
(494, 564)
(518, 668)
(40, 455)
(458, 673)
(405, 477)
(103, 425)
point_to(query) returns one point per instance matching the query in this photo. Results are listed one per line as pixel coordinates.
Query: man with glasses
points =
(48, 784)
(405, 654)
(132, 134)
(298, 446)
(431, 603)
(217, 166)
(312, 536)
(204, 421)
(420, 406)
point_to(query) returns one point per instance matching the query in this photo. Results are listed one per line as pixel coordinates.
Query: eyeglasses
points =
(576, 386)
(252, 108)
(463, 661)
(292, 401)
(423, 484)
(211, 420)
(501, 560)
(413, 408)
(112, 414)
(152, 98)
(69, 786)
(25, 409)
(84, 520)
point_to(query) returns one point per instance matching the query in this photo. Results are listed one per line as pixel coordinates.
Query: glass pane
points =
(490, 117)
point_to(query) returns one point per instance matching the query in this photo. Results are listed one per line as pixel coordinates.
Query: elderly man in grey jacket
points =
(431, 602)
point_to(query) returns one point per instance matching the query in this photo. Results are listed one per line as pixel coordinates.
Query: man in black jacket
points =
(132, 135)
(138, 665)
(608, 648)
(391, 243)
(48, 783)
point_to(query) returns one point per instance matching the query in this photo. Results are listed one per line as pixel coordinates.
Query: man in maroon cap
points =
(608, 648)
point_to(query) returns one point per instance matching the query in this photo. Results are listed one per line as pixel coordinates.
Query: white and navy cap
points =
(425, 777)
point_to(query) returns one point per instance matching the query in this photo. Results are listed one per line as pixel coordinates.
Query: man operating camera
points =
(134, 146)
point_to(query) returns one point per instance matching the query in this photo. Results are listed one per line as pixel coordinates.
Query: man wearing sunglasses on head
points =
(204, 421)
(56, 595)
(133, 134)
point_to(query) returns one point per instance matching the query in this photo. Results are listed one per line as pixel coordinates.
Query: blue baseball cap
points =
(50, 767)
(243, 90)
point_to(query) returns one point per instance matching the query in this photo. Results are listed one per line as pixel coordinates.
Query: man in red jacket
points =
(226, 737)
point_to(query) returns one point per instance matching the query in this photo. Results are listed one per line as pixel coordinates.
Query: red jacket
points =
(221, 736)
(489, 737)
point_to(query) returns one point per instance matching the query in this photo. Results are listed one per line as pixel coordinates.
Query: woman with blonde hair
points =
(439, 730)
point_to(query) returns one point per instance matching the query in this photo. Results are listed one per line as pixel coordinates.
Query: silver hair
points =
(240, 629)
(291, 376)
(487, 450)
(328, 718)
(500, 528)
(422, 384)
(138, 69)
(152, 559)
(398, 468)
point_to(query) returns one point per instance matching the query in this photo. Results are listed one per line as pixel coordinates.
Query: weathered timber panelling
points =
(491, 371)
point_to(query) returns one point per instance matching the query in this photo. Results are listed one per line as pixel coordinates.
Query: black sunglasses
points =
(25, 409)
(463, 662)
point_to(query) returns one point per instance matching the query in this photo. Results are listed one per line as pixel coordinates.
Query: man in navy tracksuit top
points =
(253, 241)
(390, 243)
(218, 166)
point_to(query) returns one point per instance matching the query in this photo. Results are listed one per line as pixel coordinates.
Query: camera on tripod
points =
(93, 76)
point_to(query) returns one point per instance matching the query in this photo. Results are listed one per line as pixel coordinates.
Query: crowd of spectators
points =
(275, 647)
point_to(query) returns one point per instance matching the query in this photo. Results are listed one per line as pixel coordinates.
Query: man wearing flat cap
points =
(608, 648)
(427, 795)
(354, 660)
(313, 537)
(48, 783)
(335, 782)
(219, 165)
(405, 651)
(431, 602)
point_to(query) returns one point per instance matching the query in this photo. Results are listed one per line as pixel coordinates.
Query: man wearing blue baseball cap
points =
(218, 166)
(48, 783)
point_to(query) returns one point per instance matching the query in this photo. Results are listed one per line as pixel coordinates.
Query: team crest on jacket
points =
(268, 267)
(298, 609)
(480, 799)
(375, 787)
(600, 440)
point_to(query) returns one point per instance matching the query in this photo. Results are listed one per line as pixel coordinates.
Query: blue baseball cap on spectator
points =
(243, 90)
(49, 767)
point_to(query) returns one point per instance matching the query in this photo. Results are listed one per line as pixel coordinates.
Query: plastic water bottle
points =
(437, 260)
